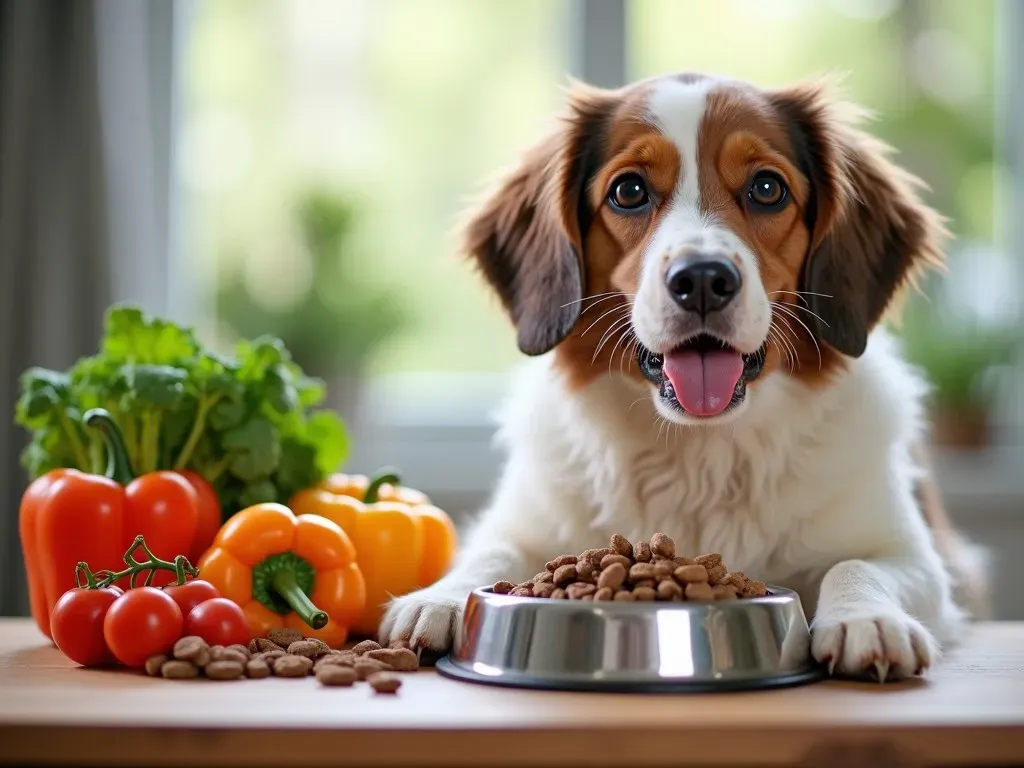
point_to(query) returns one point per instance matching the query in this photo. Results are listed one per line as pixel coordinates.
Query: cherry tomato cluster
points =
(100, 627)
(99, 624)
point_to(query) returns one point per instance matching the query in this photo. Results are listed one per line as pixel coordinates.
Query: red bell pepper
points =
(68, 516)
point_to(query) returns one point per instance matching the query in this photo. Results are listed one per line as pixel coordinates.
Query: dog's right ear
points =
(527, 236)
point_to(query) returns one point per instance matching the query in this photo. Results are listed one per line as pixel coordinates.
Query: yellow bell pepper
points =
(287, 570)
(402, 541)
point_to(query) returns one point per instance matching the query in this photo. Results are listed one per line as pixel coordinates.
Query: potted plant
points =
(963, 358)
(343, 316)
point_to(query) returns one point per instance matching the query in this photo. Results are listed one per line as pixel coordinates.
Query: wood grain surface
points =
(968, 711)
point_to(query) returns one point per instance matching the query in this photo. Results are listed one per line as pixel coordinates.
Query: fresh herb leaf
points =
(255, 449)
(325, 431)
(134, 337)
(259, 492)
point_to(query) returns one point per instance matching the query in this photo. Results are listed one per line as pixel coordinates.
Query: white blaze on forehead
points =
(677, 110)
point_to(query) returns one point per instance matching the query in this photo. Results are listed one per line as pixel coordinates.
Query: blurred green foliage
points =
(957, 354)
(340, 319)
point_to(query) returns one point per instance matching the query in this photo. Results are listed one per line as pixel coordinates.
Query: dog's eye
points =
(628, 192)
(767, 191)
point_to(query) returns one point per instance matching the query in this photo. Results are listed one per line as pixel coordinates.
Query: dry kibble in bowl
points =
(646, 571)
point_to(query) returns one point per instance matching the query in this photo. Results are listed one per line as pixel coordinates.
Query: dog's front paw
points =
(424, 619)
(883, 645)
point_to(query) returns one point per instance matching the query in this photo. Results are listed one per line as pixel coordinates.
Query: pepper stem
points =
(287, 587)
(119, 465)
(383, 476)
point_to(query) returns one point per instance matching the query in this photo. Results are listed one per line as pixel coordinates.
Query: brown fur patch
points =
(613, 254)
(871, 235)
(527, 236)
(739, 136)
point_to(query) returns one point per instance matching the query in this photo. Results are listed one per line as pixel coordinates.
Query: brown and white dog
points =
(700, 268)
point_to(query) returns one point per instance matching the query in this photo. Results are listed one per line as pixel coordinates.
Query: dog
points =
(699, 270)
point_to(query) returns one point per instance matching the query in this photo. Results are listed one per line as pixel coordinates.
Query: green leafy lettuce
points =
(248, 424)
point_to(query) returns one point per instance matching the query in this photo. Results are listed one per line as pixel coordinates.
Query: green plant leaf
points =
(327, 432)
(132, 336)
(44, 393)
(259, 492)
(154, 386)
(255, 449)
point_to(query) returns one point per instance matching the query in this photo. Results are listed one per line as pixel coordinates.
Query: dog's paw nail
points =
(881, 669)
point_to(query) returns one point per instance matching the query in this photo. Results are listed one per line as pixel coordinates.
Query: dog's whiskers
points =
(602, 296)
(786, 333)
(782, 308)
(608, 334)
(622, 308)
(802, 294)
(639, 400)
(624, 349)
(629, 348)
(803, 309)
(774, 339)
(618, 342)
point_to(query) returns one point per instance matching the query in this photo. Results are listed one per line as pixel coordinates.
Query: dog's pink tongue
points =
(704, 383)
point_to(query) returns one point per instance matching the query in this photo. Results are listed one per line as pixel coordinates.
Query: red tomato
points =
(191, 594)
(219, 622)
(143, 622)
(76, 625)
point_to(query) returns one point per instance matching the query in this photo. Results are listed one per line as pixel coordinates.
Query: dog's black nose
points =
(703, 286)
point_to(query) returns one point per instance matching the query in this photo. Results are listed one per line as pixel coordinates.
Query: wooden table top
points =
(970, 711)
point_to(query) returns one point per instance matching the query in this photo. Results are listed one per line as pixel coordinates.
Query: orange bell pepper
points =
(287, 570)
(403, 542)
(67, 516)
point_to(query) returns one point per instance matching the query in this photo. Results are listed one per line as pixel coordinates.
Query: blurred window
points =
(329, 147)
(383, 118)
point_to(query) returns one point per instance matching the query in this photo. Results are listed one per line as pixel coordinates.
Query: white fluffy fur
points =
(808, 488)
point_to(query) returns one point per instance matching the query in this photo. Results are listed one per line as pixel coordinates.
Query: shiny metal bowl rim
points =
(774, 593)
(451, 668)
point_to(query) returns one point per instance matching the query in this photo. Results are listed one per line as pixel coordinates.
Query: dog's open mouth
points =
(703, 376)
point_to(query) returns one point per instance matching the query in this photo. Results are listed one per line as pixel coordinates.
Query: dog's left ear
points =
(870, 233)
(527, 236)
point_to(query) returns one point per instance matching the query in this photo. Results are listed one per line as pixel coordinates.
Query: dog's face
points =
(703, 234)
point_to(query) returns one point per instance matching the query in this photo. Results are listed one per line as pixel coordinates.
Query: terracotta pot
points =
(964, 428)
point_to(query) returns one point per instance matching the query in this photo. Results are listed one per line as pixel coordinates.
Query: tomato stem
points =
(88, 579)
(389, 476)
(119, 465)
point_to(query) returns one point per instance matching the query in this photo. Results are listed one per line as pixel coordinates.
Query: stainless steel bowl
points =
(618, 646)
